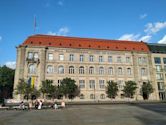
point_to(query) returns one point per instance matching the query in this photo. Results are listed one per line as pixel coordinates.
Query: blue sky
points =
(109, 19)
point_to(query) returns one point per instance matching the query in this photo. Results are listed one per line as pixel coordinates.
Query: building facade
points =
(90, 62)
(158, 59)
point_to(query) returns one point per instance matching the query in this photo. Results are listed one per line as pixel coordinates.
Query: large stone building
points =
(90, 62)
(158, 56)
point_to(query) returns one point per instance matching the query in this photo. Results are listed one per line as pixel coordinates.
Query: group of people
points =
(38, 105)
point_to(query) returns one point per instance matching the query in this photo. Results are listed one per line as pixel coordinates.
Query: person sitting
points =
(55, 106)
(63, 104)
(40, 104)
(36, 104)
(22, 105)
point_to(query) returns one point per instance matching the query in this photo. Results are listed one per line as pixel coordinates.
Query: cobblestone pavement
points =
(119, 114)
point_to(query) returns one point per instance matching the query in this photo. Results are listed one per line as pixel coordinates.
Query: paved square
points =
(119, 114)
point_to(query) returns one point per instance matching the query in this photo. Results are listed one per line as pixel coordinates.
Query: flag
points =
(33, 82)
(29, 81)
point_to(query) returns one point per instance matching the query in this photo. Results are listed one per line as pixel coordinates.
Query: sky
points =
(138, 20)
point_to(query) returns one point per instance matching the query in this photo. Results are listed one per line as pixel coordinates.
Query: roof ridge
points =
(80, 38)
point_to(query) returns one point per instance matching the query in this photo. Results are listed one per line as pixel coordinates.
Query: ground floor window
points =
(92, 96)
(102, 96)
(82, 96)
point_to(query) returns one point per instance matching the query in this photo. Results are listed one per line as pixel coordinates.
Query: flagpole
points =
(34, 24)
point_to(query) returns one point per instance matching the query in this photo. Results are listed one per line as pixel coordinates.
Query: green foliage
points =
(112, 89)
(6, 82)
(46, 87)
(54, 92)
(25, 89)
(129, 88)
(146, 89)
(68, 88)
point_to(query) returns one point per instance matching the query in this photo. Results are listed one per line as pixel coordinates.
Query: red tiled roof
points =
(85, 43)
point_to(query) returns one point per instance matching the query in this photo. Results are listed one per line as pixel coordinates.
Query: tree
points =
(68, 88)
(54, 92)
(112, 89)
(6, 82)
(46, 87)
(26, 90)
(146, 89)
(129, 88)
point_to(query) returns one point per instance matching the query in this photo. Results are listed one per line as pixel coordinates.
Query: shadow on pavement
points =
(156, 116)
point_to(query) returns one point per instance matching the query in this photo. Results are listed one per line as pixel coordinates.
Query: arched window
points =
(61, 70)
(82, 96)
(128, 71)
(143, 72)
(120, 72)
(91, 70)
(110, 71)
(71, 69)
(92, 96)
(102, 96)
(101, 70)
(81, 70)
(32, 69)
(50, 69)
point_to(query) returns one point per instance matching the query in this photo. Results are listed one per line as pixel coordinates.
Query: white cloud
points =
(135, 37)
(0, 38)
(60, 2)
(152, 28)
(143, 16)
(163, 40)
(145, 38)
(130, 37)
(52, 33)
(63, 31)
(11, 64)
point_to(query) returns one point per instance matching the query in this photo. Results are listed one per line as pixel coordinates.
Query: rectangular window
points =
(160, 85)
(119, 59)
(81, 58)
(59, 82)
(165, 68)
(91, 84)
(100, 58)
(128, 59)
(91, 58)
(164, 60)
(158, 68)
(110, 59)
(61, 57)
(36, 56)
(50, 56)
(157, 60)
(71, 57)
(139, 60)
(120, 84)
(159, 76)
(144, 60)
(81, 84)
(101, 84)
